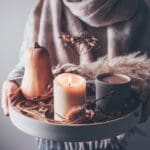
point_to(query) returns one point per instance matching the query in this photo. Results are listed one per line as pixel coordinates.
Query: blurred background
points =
(13, 15)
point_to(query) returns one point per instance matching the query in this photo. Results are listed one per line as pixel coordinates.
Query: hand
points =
(8, 88)
(145, 110)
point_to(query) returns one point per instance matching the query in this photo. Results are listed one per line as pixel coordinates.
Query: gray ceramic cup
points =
(112, 97)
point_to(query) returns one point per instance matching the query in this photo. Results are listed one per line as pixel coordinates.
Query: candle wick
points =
(69, 81)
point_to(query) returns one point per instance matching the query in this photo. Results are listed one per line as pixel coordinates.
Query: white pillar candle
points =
(69, 91)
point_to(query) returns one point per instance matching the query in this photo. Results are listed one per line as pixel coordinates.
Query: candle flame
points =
(69, 80)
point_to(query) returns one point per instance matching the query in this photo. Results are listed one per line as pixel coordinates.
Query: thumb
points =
(8, 89)
(4, 101)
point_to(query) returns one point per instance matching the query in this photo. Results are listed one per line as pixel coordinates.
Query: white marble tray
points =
(76, 132)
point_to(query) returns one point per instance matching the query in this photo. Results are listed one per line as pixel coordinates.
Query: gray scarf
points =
(99, 13)
(67, 15)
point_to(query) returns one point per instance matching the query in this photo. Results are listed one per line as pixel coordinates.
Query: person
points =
(121, 27)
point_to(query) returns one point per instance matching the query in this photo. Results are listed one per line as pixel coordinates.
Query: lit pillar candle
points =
(69, 91)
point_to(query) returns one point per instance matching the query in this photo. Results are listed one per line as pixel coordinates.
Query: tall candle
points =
(69, 91)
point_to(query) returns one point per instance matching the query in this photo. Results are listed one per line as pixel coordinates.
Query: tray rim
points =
(80, 125)
(75, 132)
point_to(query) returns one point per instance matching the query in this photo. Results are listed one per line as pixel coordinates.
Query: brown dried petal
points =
(99, 116)
(75, 113)
(49, 114)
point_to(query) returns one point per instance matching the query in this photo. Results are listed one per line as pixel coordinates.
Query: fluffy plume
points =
(134, 65)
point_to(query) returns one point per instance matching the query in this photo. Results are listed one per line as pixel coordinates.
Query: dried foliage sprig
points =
(82, 38)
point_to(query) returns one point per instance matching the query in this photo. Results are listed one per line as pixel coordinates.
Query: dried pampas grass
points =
(134, 65)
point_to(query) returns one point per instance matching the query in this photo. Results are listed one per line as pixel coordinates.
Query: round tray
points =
(75, 132)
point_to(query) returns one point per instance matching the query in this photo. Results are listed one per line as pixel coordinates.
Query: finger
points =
(8, 89)
(4, 101)
(6, 110)
(11, 89)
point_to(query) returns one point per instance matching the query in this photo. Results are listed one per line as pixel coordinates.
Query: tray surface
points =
(75, 132)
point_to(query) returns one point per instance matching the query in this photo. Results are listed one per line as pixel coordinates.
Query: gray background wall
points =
(13, 15)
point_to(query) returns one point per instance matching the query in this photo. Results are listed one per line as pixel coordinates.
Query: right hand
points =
(8, 88)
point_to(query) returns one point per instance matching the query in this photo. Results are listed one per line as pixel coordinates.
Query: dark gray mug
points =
(112, 92)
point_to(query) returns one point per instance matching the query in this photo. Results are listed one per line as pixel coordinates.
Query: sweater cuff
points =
(16, 80)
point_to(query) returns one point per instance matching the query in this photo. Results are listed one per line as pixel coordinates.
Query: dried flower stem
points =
(83, 38)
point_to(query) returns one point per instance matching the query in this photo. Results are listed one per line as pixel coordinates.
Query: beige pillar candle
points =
(69, 91)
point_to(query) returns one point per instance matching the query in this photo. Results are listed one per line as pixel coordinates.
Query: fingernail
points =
(6, 113)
